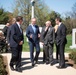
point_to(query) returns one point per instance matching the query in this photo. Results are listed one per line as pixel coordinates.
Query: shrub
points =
(2, 66)
(72, 56)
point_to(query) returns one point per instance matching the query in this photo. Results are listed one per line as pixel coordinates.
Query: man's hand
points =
(38, 35)
(21, 43)
(42, 43)
(31, 36)
(46, 28)
(8, 44)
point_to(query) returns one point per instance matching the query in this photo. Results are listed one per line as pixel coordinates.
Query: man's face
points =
(33, 21)
(21, 21)
(57, 22)
(47, 24)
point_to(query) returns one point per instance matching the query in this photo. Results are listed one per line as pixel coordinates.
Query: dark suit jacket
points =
(5, 30)
(61, 35)
(14, 35)
(48, 36)
(30, 31)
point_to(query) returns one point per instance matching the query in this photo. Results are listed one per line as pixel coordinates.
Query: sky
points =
(60, 6)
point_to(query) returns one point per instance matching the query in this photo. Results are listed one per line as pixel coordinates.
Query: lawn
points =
(67, 48)
(25, 45)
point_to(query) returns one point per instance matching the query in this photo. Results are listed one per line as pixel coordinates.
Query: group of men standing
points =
(47, 37)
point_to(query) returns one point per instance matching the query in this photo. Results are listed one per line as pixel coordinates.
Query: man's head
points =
(48, 23)
(19, 19)
(13, 20)
(58, 20)
(33, 21)
(8, 23)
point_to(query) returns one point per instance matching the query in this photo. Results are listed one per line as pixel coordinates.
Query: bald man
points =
(47, 39)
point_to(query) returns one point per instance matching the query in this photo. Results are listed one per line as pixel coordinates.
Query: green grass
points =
(67, 48)
(25, 45)
(69, 43)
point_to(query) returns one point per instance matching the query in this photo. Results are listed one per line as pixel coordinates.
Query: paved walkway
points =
(39, 69)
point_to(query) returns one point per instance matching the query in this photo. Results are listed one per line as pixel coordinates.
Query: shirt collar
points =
(59, 23)
(18, 24)
(32, 25)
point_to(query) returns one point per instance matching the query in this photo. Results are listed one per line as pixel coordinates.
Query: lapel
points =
(49, 29)
(59, 29)
(31, 29)
(36, 28)
(18, 28)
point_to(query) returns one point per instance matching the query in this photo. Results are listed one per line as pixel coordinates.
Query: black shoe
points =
(51, 64)
(33, 64)
(36, 62)
(12, 68)
(43, 61)
(57, 61)
(18, 69)
(60, 67)
(47, 62)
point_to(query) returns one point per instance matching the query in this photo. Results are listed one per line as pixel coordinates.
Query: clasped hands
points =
(21, 42)
(32, 37)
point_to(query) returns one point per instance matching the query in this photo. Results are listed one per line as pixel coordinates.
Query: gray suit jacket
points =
(47, 36)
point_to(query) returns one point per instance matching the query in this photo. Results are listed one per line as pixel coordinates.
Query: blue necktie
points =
(34, 28)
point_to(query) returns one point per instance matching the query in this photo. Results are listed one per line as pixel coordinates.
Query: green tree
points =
(3, 16)
(41, 12)
(23, 7)
(70, 19)
(69, 24)
(52, 16)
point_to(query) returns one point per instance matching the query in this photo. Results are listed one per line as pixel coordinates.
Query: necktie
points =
(34, 28)
(20, 29)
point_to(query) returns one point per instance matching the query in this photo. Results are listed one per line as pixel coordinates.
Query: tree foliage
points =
(70, 19)
(3, 16)
(52, 16)
(42, 12)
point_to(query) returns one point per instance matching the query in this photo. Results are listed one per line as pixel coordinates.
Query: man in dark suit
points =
(61, 41)
(16, 42)
(47, 39)
(33, 34)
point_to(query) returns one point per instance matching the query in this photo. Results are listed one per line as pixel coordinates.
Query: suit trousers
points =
(32, 45)
(16, 56)
(57, 52)
(48, 51)
(44, 55)
(61, 48)
(51, 53)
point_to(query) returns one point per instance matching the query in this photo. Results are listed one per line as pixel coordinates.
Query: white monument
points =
(2, 26)
(33, 2)
(73, 38)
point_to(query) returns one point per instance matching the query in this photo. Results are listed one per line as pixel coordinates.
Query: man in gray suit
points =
(47, 39)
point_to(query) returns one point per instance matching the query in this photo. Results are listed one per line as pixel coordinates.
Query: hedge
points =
(72, 56)
(2, 66)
